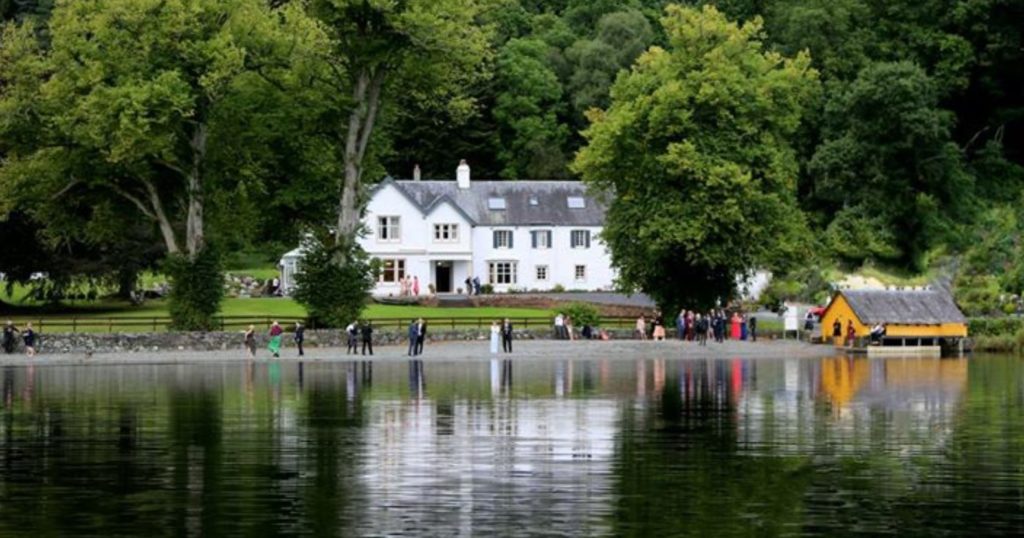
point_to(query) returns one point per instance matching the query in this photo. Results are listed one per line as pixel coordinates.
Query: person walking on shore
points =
(559, 326)
(250, 342)
(29, 337)
(367, 332)
(300, 337)
(701, 329)
(469, 285)
(495, 331)
(352, 331)
(506, 336)
(8, 337)
(752, 323)
(421, 336)
(275, 339)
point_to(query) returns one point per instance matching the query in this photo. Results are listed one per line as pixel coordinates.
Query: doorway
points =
(443, 277)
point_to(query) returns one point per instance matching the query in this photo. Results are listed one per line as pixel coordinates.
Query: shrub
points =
(558, 288)
(334, 281)
(995, 326)
(581, 314)
(486, 289)
(197, 288)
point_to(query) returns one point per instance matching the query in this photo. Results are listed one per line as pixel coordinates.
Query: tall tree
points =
(888, 156)
(139, 101)
(433, 49)
(694, 159)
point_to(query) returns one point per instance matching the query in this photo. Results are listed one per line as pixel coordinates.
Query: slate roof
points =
(551, 209)
(918, 307)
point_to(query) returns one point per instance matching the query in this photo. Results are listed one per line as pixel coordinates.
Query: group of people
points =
(877, 332)
(503, 331)
(275, 338)
(409, 286)
(417, 334)
(9, 341)
(692, 326)
(472, 285)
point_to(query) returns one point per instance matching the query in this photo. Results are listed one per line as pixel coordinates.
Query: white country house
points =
(522, 235)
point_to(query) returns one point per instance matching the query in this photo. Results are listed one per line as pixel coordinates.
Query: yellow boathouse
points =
(916, 317)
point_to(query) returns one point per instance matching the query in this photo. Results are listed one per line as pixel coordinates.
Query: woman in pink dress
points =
(736, 325)
(416, 286)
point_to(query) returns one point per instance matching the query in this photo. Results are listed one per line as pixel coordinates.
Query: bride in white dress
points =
(495, 333)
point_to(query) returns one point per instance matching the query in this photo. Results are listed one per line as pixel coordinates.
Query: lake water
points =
(823, 447)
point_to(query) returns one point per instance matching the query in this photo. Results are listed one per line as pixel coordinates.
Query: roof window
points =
(495, 203)
(534, 201)
(577, 202)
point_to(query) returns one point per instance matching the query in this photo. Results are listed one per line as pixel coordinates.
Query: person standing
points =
(413, 330)
(416, 286)
(495, 331)
(250, 342)
(352, 331)
(421, 336)
(658, 332)
(701, 329)
(851, 333)
(367, 331)
(690, 322)
(275, 339)
(681, 325)
(8, 337)
(559, 326)
(569, 332)
(641, 327)
(469, 285)
(476, 285)
(752, 323)
(300, 337)
(506, 336)
(29, 337)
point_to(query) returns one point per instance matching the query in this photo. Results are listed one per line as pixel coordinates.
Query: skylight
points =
(577, 202)
(495, 203)
(534, 201)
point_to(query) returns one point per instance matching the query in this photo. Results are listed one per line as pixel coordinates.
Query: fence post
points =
(110, 325)
(74, 325)
(453, 323)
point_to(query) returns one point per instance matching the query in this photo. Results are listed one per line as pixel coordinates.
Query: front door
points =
(443, 277)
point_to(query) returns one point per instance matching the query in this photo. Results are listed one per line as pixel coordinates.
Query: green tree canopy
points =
(694, 157)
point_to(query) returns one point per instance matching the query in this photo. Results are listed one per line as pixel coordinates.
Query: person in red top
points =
(851, 333)
(275, 339)
(736, 329)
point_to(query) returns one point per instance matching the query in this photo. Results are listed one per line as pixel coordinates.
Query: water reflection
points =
(838, 446)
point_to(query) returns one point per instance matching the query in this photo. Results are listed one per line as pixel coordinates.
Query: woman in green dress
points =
(275, 339)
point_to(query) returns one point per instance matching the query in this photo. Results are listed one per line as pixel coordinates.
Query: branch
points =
(64, 190)
(135, 200)
(171, 166)
(371, 113)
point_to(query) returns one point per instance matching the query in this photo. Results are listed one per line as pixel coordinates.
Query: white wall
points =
(416, 244)
(561, 259)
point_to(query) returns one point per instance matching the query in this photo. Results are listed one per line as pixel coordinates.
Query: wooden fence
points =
(230, 323)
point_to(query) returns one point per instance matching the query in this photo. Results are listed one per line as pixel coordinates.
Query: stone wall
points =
(219, 341)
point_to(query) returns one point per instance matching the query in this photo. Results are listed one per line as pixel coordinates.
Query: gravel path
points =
(470, 351)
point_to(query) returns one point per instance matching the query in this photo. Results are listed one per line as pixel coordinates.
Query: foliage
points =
(334, 281)
(994, 326)
(197, 289)
(889, 165)
(694, 159)
(582, 314)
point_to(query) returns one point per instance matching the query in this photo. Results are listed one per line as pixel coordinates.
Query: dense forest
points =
(898, 130)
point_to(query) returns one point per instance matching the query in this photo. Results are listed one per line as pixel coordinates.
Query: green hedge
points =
(995, 326)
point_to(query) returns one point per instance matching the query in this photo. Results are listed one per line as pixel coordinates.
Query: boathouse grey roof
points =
(909, 307)
(527, 202)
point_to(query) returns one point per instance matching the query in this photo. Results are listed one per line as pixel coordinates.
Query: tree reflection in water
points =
(577, 447)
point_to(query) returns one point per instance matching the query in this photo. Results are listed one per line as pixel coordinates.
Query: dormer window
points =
(534, 201)
(496, 203)
(577, 202)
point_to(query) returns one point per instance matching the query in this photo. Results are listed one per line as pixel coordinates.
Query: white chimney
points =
(416, 173)
(462, 174)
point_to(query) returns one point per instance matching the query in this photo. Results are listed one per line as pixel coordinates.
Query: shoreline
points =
(456, 351)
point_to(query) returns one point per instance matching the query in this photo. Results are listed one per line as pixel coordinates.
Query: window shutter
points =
(548, 233)
(510, 234)
(588, 238)
(495, 236)
(533, 238)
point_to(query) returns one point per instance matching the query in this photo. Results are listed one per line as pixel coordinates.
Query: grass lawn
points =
(92, 316)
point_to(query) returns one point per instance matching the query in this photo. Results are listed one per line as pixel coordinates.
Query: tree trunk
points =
(194, 233)
(166, 230)
(366, 99)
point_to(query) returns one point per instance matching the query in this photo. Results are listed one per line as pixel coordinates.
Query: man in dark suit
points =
(421, 335)
(367, 332)
(506, 336)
